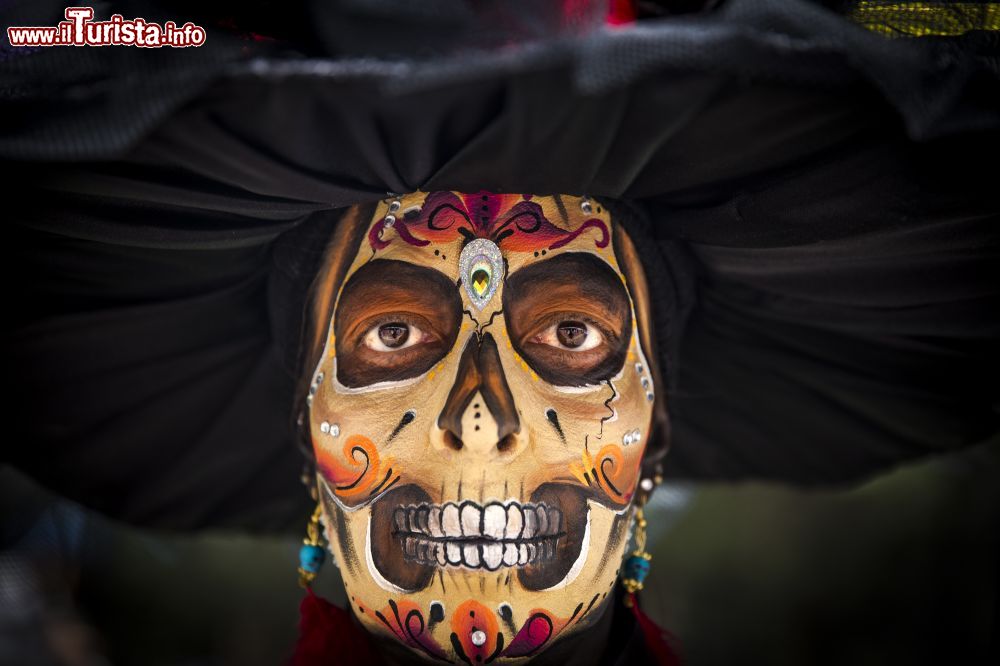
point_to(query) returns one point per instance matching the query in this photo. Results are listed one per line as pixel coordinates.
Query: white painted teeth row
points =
(495, 521)
(478, 555)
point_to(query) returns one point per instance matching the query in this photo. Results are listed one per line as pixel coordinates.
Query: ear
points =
(658, 441)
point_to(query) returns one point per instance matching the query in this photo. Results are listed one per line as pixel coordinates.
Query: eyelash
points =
(370, 333)
(607, 337)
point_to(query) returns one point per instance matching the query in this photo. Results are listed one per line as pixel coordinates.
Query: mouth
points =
(543, 541)
(473, 536)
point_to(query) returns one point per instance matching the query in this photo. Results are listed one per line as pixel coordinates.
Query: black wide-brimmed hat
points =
(809, 183)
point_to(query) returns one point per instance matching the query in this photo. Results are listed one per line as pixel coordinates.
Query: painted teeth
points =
(467, 534)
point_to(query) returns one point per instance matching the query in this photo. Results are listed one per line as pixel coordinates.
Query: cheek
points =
(350, 433)
(367, 442)
(592, 437)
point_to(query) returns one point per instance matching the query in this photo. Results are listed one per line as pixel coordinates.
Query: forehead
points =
(430, 229)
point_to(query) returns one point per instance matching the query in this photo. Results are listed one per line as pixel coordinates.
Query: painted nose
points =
(480, 415)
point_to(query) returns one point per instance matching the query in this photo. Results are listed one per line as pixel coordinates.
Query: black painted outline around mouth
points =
(405, 571)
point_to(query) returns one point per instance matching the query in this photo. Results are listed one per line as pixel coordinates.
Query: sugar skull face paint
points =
(479, 415)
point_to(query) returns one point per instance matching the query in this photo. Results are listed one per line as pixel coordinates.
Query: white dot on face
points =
(324, 427)
(334, 430)
(478, 637)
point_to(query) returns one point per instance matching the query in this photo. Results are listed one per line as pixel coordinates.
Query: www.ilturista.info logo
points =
(79, 29)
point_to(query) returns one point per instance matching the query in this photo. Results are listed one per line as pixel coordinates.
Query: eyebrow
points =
(589, 277)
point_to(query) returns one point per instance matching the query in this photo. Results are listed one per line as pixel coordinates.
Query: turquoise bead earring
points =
(636, 566)
(312, 554)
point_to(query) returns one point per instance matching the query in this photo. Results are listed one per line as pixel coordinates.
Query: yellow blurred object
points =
(924, 19)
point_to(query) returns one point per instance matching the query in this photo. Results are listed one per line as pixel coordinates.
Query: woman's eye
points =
(571, 335)
(392, 337)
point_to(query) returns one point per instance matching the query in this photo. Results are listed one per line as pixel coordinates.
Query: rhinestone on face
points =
(480, 267)
(636, 436)
(389, 220)
(478, 637)
(324, 427)
(627, 439)
(480, 280)
(638, 368)
(394, 206)
(649, 396)
(586, 206)
(334, 430)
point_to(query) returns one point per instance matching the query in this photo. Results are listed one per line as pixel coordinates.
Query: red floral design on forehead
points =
(513, 221)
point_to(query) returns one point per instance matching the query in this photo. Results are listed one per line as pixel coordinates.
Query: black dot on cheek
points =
(543, 253)
(437, 252)
(476, 406)
(477, 427)
(444, 256)
(477, 415)
(536, 254)
(472, 614)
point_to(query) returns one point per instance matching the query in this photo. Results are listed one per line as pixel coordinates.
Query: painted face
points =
(479, 415)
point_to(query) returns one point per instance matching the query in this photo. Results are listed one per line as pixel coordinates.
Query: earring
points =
(312, 553)
(637, 566)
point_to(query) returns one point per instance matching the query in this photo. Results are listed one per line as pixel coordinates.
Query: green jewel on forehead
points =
(480, 267)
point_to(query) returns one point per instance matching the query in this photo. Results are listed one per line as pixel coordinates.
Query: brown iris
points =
(571, 333)
(394, 334)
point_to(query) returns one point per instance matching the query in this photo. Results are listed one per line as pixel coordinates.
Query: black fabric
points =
(830, 186)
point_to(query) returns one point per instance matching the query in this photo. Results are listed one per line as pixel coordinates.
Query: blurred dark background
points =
(900, 570)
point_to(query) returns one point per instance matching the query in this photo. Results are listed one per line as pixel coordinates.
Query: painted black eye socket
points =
(571, 334)
(393, 335)
(394, 320)
(569, 318)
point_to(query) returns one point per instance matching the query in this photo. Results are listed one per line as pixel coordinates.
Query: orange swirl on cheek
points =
(607, 472)
(355, 469)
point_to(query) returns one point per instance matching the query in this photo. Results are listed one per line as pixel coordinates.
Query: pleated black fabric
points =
(824, 192)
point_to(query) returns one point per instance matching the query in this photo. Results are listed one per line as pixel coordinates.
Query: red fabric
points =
(658, 640)
(328, 637)
(621, 12)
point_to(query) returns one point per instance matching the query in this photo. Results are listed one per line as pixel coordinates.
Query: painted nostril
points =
(506, 443)
(451, 441)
